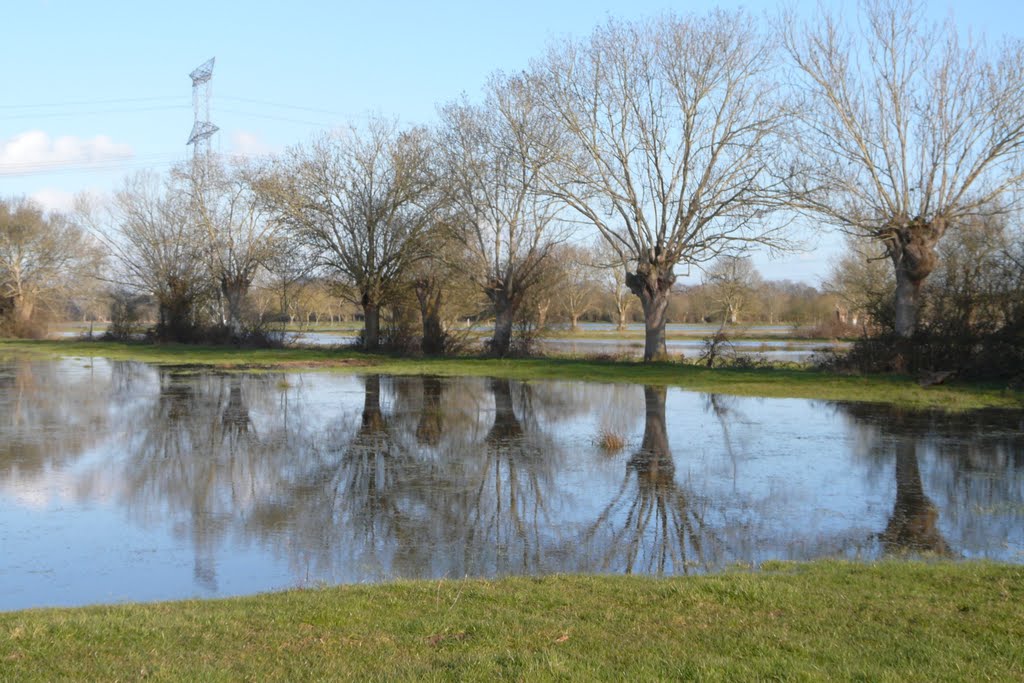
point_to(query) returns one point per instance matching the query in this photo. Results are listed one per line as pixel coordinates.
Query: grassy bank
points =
(772, 382)
(888, 621)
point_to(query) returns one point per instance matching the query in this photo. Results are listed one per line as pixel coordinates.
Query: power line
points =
(42, 165)
(74, 103)
(272, 117)
(314, 110)
(99, 165)
(95, 167)
(53, 115)
(29, 167)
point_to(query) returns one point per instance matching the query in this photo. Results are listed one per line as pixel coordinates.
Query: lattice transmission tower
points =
(202, 129)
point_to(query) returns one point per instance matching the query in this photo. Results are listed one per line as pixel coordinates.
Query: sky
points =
(92, 91)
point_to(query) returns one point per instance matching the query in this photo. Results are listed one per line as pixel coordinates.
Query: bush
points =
(995, 355)
(125, 313)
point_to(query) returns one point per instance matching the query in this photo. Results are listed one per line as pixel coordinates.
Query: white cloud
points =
(246, 143)
(35, 151)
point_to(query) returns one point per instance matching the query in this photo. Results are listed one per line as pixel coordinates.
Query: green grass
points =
(891, 621)
(768, 382)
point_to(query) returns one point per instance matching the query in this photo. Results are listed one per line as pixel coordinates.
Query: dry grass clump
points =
(610, 442)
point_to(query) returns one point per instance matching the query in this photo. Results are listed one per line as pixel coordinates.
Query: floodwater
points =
(792, 350)
(795, 351)
(121, 481)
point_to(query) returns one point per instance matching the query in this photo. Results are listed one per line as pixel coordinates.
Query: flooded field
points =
(769, 349)
(123, 481)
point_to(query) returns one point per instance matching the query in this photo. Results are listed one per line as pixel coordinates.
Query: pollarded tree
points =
(908, 131)
(158, 248)
(494, 158)
(674, 127)
(361, 201)
(43, 258)
(240, 238)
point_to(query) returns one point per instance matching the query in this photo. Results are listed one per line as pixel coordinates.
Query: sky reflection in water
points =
(121, 481)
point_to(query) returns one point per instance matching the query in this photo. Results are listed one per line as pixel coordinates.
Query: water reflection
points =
(975, 464)
(655, 524)
(212, 484)
(913, 525)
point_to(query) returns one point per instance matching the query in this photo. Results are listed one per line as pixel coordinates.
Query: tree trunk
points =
(907, 297)
(234, 292)
(575, 322)
(23, 307)
(504, 314)
(652, 283)
(542, 313)
(371, 324)
(429, 295)
(621, 309)
(911, 248)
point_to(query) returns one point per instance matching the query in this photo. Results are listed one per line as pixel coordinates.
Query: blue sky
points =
(93, 90)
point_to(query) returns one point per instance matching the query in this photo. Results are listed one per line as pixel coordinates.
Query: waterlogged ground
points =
(796, 351)
(602, 338)
(123, 481)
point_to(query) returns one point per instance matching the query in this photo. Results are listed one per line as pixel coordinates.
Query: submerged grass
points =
(610, 441)
(890, 621)
(768, 382)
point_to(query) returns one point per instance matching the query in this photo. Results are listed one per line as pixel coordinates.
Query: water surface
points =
(121, 481)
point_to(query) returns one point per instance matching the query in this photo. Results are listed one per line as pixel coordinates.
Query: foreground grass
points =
(888, 621)
(768, 382)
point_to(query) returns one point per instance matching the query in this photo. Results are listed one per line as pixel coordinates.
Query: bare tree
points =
(675, 127)
(862, 285)
(43, 258)
(157, 247)
(239, 236)
(732, 281)
(611, 276)
(908, 130)
(361, 201)
(442, 294)
(578, 288)
(494, 156)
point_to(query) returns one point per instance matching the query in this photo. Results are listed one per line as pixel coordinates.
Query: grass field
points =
(890, 621)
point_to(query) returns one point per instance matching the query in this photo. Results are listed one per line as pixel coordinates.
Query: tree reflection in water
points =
(352, 500)
(475, 505)
(197, 452)
(509, 510)
(430, 426)
(656, 525)
(52, 411)
(913, 524)
(330, 478)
